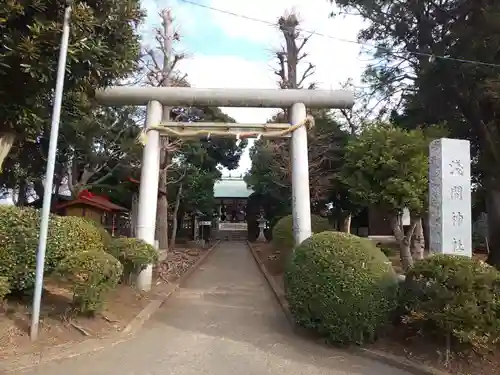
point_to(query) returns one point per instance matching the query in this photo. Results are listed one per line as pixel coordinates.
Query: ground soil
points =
(59, 325)
(398, 341)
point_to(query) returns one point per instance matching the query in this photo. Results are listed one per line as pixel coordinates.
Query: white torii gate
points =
(157, 97)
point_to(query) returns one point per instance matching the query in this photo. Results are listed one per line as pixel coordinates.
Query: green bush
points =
(283, 234)
(134, 254)
(341, 286)
(18, 246)
(72, 234)
(4, 287)
(106, 237)
(389, 251)
(19, 234)
(455, 297)
(92, 274)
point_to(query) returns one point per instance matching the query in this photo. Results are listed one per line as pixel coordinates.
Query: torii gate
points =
(157, 97)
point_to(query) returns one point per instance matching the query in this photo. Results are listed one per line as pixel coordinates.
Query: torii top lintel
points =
(223, 97)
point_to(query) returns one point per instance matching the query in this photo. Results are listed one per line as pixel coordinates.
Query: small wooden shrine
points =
(94, 207)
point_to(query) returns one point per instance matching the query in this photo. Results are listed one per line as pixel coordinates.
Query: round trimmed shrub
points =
(19, 234)
(134, 254)
(92, 274)
(456, 297)
(341, 286)
(283, 234)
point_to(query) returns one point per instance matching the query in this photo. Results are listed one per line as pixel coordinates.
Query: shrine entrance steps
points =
(232, 235)
(232, 231)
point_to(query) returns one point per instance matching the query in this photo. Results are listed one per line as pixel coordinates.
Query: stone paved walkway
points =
(225, 321)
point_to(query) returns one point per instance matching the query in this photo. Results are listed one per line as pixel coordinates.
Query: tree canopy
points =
(387, 167)
(441, 59)
(104, 48)
(97, 148)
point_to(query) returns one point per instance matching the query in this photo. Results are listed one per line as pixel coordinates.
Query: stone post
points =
(450, 223)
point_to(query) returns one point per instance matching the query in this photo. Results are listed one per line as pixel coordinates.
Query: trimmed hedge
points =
(4, 287)
(456, 297)
(92, 274)
(283, 234)
(72, 235)
(134, 254)
(19, 233)
(342, 286)
(106, 237)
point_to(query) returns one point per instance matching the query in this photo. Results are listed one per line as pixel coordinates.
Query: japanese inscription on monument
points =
(450, 223)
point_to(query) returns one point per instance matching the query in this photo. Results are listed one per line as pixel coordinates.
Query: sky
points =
(228, 51)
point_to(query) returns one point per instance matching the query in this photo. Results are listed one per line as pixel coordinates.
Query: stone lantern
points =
(262, 225)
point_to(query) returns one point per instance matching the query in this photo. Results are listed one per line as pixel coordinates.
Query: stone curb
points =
(275, 289)
(389, 359)
(69, 350)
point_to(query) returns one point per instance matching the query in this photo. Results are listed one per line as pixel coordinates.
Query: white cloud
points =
(186, 13)
(336, 61)
(231, 72)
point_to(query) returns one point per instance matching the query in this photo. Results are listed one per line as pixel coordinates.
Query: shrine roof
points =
(89, 199)
(231, 187)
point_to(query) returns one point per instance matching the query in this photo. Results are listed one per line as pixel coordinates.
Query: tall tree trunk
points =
(174, 216)
(6, 142)
(346, 222)
(403, 240)
(134, 212)
(425, 226)
(418, 241)
(21, 195)
(39, 188)
(493, 220)
(162, 212)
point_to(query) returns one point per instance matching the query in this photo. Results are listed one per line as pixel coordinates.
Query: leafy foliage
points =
(271, 171)
(4, 287)
(101, 149)
(19, 231)
(270, 174)
(103, 49)
(341, 286)
(195, 164)
(92, 274)
(106, 237)
(387, 167)
(436, 61)
(134, 254)
(283, 240)
(454, 296)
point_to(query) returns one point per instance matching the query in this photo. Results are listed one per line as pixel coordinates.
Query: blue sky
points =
(201, 33)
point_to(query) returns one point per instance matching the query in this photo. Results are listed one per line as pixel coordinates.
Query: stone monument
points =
(450, 223)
